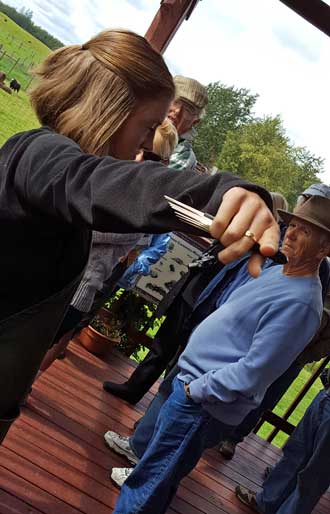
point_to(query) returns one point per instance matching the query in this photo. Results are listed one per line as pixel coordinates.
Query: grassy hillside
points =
(20, 51)
(20, 43)
(16, 113)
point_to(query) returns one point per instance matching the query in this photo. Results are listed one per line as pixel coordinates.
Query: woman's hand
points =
(242, 210)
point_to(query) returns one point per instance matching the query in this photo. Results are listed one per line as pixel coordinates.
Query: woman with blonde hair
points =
(165, 140)
(97, 101)
(279, 202)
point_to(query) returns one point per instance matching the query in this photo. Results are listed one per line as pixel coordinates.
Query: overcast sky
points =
(257, 44)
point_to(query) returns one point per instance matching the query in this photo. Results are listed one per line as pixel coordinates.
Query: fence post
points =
(29, 83)
(13, 66)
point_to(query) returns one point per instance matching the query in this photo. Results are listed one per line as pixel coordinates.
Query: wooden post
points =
(13, 66)
(316, 12)
(280, 423)
(168, 19)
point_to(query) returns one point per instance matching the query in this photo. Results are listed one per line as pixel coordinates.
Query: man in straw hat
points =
(185, 112)
(232, 358)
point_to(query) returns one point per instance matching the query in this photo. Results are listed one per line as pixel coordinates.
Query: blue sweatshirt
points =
(249, 341)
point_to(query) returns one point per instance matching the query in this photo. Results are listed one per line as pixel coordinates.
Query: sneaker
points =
(227, 449)
(120, 444)
(247, 497)
(119, 475)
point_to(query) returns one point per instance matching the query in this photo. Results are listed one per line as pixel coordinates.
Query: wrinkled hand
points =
(242, 210)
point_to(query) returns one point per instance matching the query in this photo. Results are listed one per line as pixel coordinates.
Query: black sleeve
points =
(53, 177)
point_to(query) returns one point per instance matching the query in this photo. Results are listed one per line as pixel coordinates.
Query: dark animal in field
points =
(2, 83)
(14, 85)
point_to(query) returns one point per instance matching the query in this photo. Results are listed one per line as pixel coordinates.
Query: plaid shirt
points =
(183, 157)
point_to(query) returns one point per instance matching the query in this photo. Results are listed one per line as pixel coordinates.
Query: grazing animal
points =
(15, 85)
(2, 83)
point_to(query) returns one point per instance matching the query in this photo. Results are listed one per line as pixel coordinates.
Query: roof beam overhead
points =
(314, 11)
(168, 19)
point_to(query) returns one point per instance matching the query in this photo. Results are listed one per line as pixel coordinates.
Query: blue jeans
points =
(273, 394)
(182, 431)
(145, 428)
(303, 474)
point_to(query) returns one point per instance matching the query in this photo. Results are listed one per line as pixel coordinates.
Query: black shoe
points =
(121, 391)
(227, 449)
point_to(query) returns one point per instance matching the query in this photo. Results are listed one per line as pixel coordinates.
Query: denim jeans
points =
(303, 474)
(273, 394)
(182, 431)
(145, 427)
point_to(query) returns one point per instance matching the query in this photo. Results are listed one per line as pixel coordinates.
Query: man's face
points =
(183, 116)
(301, 242)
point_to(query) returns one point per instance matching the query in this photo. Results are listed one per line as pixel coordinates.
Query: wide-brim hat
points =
(316, 211)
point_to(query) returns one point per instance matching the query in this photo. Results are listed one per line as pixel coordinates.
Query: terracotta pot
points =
(94, 341)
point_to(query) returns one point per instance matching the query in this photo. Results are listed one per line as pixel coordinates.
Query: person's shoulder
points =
(39, 137)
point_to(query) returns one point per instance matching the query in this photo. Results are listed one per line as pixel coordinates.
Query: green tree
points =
(228, 109)
(262, 153)
(28, 13)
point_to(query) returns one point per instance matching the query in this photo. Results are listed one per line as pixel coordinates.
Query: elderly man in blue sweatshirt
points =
(231, 359)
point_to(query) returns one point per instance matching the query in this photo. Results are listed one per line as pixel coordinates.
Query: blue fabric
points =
(273, 394)
(228, 353)
(144, 430)
(143, 262)
(182, 431)
(302, 475)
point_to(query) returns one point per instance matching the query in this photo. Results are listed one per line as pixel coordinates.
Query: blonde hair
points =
(87, 92)
(165, 140)
(279, 202)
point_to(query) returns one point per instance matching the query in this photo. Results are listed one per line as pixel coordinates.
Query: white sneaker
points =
(120, 444)
(119, 475)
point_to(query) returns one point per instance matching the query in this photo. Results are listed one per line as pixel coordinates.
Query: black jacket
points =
(52, 195)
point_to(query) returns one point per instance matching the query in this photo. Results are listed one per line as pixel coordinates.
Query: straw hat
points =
(191, 91)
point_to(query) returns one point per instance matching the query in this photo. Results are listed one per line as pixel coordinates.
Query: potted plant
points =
(121, 322)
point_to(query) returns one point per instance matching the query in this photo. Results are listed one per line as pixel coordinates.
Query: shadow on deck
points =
(54, 460)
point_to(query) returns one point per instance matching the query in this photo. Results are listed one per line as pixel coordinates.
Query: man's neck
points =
(305, 269)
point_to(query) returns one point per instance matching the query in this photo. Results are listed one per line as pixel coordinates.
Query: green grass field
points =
(16, 114)
(19, 44)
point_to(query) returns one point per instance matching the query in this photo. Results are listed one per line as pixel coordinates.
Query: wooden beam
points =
(168, 19)
(315, 12)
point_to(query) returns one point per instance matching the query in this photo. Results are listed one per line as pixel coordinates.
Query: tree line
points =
(23, 18)
(231, 137)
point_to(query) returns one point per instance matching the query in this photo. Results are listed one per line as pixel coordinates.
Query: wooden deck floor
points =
(54, 460)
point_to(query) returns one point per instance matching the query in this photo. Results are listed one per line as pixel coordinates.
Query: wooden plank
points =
(54, 460)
